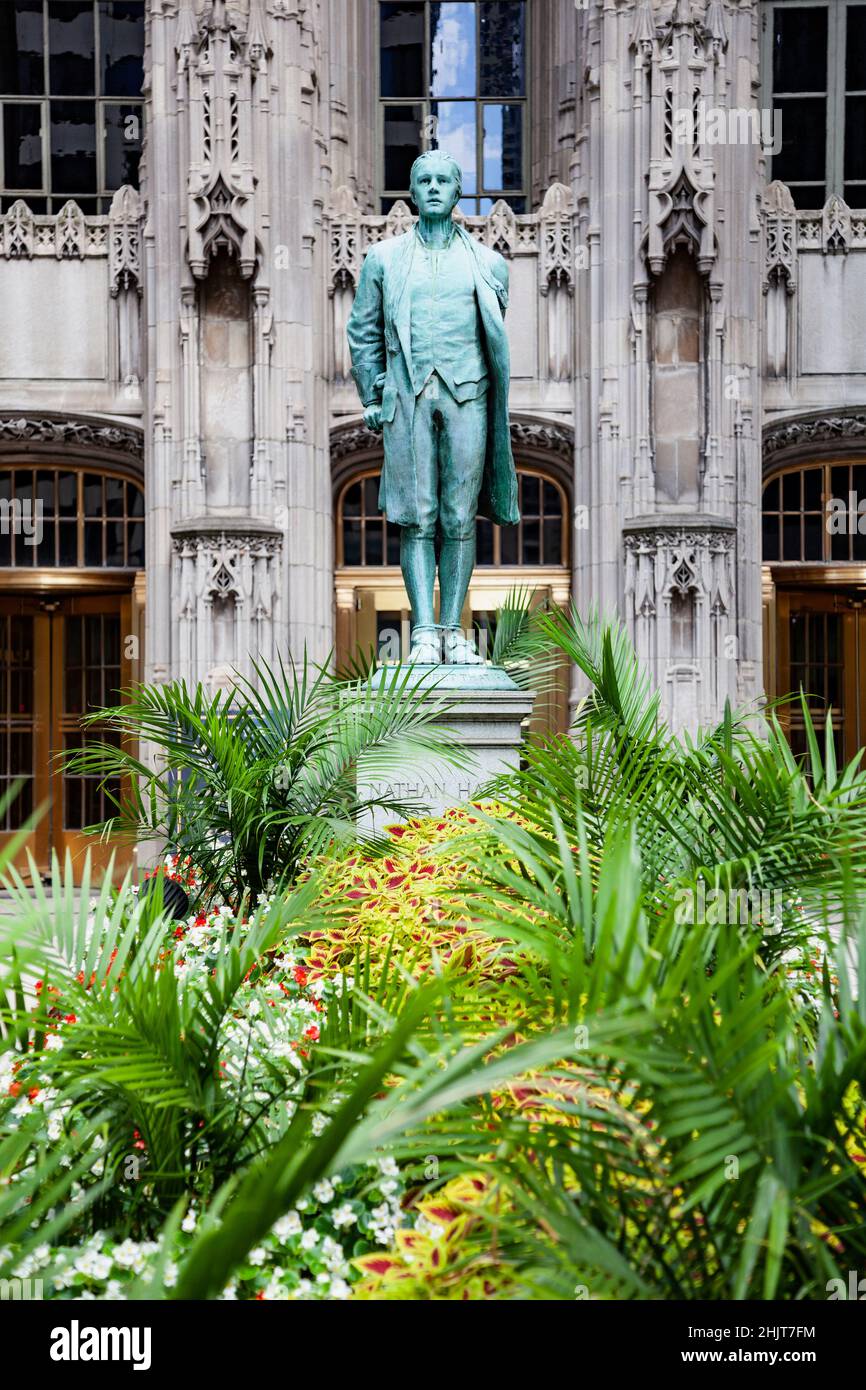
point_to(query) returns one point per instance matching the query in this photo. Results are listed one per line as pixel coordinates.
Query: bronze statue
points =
(431, 363)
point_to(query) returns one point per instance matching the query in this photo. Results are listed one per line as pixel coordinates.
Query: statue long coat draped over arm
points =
(378, 332)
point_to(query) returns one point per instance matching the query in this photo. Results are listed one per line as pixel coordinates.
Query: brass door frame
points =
(49, 611)
(823, 599)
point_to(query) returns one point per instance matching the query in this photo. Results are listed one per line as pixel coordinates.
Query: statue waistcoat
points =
(445, 332)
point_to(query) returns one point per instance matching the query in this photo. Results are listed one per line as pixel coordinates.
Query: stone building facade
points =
(676, 185)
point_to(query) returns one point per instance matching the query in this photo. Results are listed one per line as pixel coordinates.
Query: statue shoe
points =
(459, 650)
(426, 649)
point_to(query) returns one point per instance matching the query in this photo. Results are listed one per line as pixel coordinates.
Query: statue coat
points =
(378, 332)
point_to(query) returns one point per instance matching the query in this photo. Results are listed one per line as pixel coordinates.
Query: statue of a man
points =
(430, 360)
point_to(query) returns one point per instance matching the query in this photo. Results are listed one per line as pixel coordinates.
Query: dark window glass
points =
(22, 145)
(791, 492)
(484, 541)
(67, 494)
(800, 49)
(351, 543)
(401, 37)
(452, 49)
(24, 486)
(501, 49)
(771, 496)
(392, 539)
(812, 481)
(71, 66)
(402, 143)
(114, 544)
(73, 147)
(92, 495)
(44, 497)
(508, 545)
(791, 538)
(552, 542)
(371, 494)
(531, 542)
(134, 500)
(855, 49)
(529, 495)
(839, 547)
(67, 544)
(93, 543)
(121, 42)
(855, 138)
(813, 536)
(21, 53)
(352, 500)
(122, 145)
(113, 497)
(373, 554)
(804, 128)
(135, 555)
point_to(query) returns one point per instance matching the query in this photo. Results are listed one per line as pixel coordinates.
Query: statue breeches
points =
(450, 441)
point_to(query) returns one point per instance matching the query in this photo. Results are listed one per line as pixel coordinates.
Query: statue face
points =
(434, 191)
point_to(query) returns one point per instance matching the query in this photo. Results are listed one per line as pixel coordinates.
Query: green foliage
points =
(253, 782)
(596, 1079)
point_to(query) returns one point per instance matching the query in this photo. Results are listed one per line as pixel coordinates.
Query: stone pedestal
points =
(485, 711)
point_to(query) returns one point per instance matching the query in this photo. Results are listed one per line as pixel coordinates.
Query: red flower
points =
(312, 1032)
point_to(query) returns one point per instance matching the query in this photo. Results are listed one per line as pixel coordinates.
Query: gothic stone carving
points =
(65, 235)
(807, 433)
(221, 50)
(780, 255)
(67, 431)
(124, 267)
(228, 596)
(665, 560)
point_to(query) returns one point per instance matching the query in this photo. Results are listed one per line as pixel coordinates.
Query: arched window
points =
(810, 513)
(71, 519)
(366, 539)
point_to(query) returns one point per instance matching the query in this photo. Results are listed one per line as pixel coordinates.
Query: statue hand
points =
(373, 417)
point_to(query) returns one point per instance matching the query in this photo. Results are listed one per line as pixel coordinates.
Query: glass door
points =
(821, 635)
(60, 657)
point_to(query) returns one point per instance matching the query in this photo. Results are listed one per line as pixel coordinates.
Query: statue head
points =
(435, 183)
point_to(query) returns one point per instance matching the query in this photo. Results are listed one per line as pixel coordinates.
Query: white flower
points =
(320, 1123)
(257, 1256)
(276, 1291)
(128, 1255)
(55, 1125)
(388, 1167)
(114, 1289)
(303, 1289)
(339, 1289)
(188, 1222)
(94, 1265)
(343, 1215)
(53, 1042)
(388, 1187)
(170, 1276)
(309, 1238)
(324, 1191)
(287, 1226)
